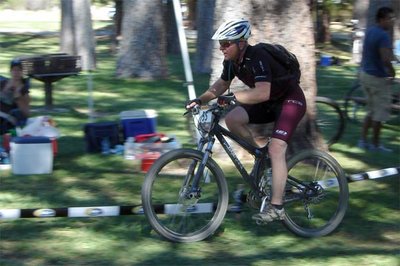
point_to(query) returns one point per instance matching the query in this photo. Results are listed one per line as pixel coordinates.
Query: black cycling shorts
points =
(285, 112)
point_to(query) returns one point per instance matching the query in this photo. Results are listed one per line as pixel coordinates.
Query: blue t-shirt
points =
(371, 62)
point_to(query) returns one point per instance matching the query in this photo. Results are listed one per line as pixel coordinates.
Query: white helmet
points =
(233, 30)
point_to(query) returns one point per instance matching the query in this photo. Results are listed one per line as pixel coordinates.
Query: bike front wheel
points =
(173, 208)
(317, 200)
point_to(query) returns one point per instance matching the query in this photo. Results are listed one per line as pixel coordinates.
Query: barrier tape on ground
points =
(102, 211)
(96, 211)
(374, 174)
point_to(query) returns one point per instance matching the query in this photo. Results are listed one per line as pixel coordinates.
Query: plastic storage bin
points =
(136, 122)
(31, 155)
(96, 133)
(141, 147)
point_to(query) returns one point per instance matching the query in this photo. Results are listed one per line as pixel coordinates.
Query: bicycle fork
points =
(194, 191)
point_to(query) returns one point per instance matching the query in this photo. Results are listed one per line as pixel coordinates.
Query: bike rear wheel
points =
(318, 211)
(170, 207)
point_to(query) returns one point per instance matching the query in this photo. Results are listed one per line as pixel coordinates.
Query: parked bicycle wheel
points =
(319, 210)
(354, 104)
(172, 209)
(330, 119)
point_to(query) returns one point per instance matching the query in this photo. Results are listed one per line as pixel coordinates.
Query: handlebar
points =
(215, 108)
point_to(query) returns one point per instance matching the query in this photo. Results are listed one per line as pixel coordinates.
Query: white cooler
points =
(31, 155)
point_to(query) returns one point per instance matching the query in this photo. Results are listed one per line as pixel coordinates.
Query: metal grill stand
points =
(50, 68)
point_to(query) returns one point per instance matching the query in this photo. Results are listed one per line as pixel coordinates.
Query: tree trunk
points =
(360, 10)
(67, 36)
(77, 36)
(173, 46)
(143, 47)
(205, 18)
(191, 6)
(289, 23)
(84, 35)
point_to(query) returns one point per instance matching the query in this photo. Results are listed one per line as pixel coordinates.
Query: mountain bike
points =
(355, 101)
(185, 194)
(330, 119)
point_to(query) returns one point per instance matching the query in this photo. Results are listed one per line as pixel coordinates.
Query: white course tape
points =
(99, 211)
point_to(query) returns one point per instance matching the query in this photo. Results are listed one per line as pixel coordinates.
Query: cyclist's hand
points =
(228, 99)
(192, 103)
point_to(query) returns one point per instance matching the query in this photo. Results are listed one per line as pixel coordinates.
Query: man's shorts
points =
(379, 96)
(286, 113)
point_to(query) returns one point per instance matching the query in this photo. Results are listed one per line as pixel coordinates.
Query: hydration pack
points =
(284, 57)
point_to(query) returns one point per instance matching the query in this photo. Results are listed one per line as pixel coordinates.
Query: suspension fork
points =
(195, 190)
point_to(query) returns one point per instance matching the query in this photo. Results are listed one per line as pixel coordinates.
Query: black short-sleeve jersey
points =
(257, 66)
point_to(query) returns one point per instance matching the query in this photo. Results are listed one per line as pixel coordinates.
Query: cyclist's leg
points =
(237, 122)
(277, 152)
(287, 118)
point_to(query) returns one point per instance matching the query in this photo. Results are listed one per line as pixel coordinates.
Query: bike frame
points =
(219, 132)
(260, 154)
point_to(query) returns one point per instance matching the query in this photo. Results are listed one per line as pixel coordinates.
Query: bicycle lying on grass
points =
(185, 194)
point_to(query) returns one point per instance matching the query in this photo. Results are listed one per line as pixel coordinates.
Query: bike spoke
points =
(323, 192)
(188, 210)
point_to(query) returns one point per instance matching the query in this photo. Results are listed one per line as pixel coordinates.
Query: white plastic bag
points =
(40, 126)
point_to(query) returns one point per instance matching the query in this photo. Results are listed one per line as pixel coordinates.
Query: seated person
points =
(14, 99)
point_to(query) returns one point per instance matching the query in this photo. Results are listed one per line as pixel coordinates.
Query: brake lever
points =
(195, 110)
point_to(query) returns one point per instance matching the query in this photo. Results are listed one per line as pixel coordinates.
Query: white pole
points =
(184, 49)
(90, 95)
(185, 56)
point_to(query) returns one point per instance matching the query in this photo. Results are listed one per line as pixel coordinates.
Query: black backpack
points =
(287, 59)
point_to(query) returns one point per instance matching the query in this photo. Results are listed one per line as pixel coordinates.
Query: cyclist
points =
(274, 96)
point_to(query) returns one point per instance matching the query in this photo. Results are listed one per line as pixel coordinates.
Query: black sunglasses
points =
(225, 44)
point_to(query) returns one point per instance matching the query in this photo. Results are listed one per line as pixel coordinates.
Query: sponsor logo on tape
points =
(137, 210)
(44, 213)
(93, 211)
(357, 177)
(191, 208)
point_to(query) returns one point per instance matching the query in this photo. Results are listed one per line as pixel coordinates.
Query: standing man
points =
(376, 77)
(274, 96)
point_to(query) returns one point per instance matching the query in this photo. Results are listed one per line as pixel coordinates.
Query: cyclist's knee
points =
(236, 117)
(277, 148)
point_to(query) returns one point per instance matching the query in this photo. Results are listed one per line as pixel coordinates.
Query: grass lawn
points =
(369, 234)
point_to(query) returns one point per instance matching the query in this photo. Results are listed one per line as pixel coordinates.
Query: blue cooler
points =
(31, 155)
(326, 60)
(136, 122)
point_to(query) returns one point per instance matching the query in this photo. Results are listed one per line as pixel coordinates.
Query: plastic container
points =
(136, 122)
(148, 160)
(129, 149)
(31, 155)
(326, 60)
(96, 133)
